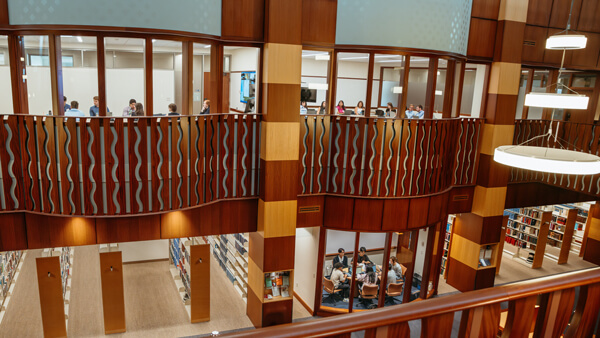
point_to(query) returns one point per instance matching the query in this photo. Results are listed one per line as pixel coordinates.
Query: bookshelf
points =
(579, 228)
(231, 252)
(527, 232)
(10, 265)
(66, 271)
(561, 229)
(447, 241)
(179, 257)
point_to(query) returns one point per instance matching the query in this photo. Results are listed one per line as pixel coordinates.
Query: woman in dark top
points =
(340, 258)
(323, 108)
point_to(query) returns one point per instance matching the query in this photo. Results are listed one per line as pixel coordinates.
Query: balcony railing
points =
(574, 136)
(547, 307)
(377, 157)
(113, 166)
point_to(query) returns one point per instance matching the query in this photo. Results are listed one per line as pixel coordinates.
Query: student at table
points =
(173, 110)
(67, 106)
(341, 258)
(139, 109)
(205, 107)
(322, 108)
(397, 268)
(95, 109)
(74, 111)
(340, 108)
(362, 256)
(410, 111)
(303, 108)
(390, 110)
(391, 276)
(130, 109)
(419, 113)
(360, 108)
(340, 281)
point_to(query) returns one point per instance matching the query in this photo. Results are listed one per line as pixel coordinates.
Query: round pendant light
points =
(568, 42)
(550, 160)
(556, 101)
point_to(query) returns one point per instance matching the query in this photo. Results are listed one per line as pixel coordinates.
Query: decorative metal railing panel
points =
(375, 157)
(114, 166)
(574, 136)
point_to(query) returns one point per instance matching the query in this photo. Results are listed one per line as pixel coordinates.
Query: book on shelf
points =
(284, 291)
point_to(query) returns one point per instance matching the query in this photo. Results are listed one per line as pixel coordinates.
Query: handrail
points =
(381, 317)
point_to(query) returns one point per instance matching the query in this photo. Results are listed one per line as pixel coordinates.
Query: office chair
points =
(367, 294)
(394, 290)
(332, 292)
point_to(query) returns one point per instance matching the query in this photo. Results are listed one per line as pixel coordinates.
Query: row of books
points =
(65, 267)
(559, 220)
(523, 228)
(522, 236)
(519, 243)
(555, 235)
(9, 262)
(557, 227)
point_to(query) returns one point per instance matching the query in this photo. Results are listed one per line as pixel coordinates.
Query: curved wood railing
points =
(574, 136)
(481, 313)
(115, 166)
(378, 157)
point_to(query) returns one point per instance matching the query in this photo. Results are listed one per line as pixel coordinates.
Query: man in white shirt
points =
(74, 111)
(339, 280)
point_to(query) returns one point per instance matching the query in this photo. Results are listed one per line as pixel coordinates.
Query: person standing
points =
(340, 281)
(130, 109)
(95, 109)
(341, 258)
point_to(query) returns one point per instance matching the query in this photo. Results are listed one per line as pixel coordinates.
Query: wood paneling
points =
(276, 313)
(320, 29)
(283, 21)
(485, 9)
(4, 13)
(460, 276)
(588, 57)
(560, 13)
(254, 307)
(113, 296)
(482, 36)
(272, 188)
(588, 17)
(44, 231)
(276, 102)
(395, 214)
(338, 212)
(460, 200)
(243, 20)
(534, 44)
(484, 278)
(277, 138)
(200, 282)
(538, 12)
(418, 212)
(519, 195)
(277, 218)
(51, 296)
(437, 326)
(521, 313)
(13, 233)
(592, 251)
(491, 174)
(278, 253)
(367, 214)
(312, 217)
(127, 229)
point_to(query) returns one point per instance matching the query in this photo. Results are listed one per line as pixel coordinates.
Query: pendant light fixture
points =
(546, 159)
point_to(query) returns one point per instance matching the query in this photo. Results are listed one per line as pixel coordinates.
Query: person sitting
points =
(397, 268)
(95, 109)
(410, 111)
(368, 279)
(130, 109)
(391, 276)
(74, 111)
(205, 107)
(341, 258)
(340, 108)
(362, 256)
(173, 110)
(303, 108)
(322, 108)
(419, 113)
(67, 106)
(139, 109)
(390, 111)
(360, 108)
(340, 281)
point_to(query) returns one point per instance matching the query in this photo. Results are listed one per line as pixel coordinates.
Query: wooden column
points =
(370, 85)
(216, 79)
(591, 238)
(52, 303)
(431, 84)
(187, 71)
(200, 283)
(113, 296)
(148, 78)
(56, 76)
(449, 89)
(272, 247)
(482, 227)
(101, 55)
(18, 73)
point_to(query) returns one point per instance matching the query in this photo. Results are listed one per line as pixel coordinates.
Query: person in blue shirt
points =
(410, 111)
(419, 113)
(303, 108)
(95, 109)
(74, 111)
(67, 106)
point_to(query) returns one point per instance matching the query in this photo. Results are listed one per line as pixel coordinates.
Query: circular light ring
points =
(568, 42)
(558, 101)
(549, 160)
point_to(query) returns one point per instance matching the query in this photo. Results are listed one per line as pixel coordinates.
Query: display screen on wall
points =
(248, 90)
(441, 25)
(199, 16)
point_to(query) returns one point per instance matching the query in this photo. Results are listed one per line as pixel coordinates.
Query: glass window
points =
(315, 82)
(351, 82)
(6, 103)
(457, 85)
(521, 97)
(473, 89)
(336, 241)
(167, 78)
(370, 270)
(584, 81)
(241, 79)
(39, 88)
(80, 79)
(417, 81)
(124, 74)
(201, 74)
(388, 72)
(440, 88)
(539, 83)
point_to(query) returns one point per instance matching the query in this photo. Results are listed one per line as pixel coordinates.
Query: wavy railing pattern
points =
(79, 166)
(574, 136)
(375, 157)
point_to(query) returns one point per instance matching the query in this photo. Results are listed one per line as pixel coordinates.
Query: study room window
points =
(351, 84)
(124, 74)
(80, 78)
(315, 82)
(6, 103)
(39, 86)
(44, 61)
(240, 80)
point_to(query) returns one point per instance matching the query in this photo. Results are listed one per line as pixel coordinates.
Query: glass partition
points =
(39, 87)
(339, 248)
(315, 82)
(351, 83)
(440, 88)
(522, 93)
(370, 270)
(80, 71)
(240, 77)
(386, 96)
(473, 89)
(167, 78)
(417, 83)
(201, 79)
(124, 74)
(6, 103)
(538, 85)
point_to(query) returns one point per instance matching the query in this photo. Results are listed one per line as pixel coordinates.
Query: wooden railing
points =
(377, 157)
(574, 136)
(545, 307)
(113, 166)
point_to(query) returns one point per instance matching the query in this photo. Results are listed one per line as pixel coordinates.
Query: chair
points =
(368, 292)
(331, 291)
(394, 289)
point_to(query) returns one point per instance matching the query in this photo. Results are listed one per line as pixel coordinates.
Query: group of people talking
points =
(411, 112)
(133, 109)
(368, 273)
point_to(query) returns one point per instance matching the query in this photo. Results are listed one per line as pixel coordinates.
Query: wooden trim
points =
(369, 85)
(431, 84)
(486, 84)
(380, 89)
(427, 263)
(411, 269)
(304, 304)
(216, 78)
(16, 51)
(320, 260)
(259, 101)
(56, 74)
(187, 75)
(148, 78)
(4, 20)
